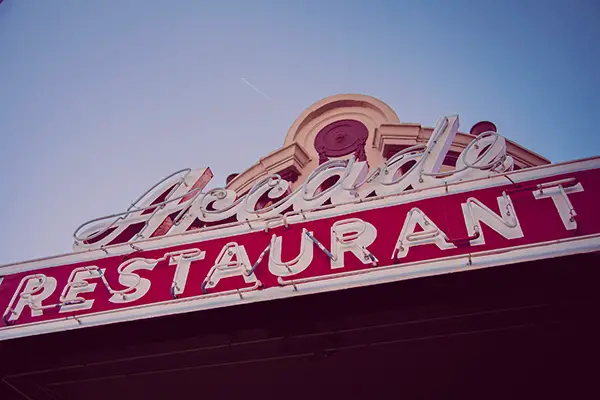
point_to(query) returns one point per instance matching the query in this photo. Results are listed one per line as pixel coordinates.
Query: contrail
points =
(257, 90)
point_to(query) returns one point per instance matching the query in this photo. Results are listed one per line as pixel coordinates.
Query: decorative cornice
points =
(293, 156)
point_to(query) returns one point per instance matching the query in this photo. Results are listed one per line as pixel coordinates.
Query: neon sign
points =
(370, 227)
(177, 204)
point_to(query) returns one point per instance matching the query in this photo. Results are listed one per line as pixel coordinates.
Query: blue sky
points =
(100, 99)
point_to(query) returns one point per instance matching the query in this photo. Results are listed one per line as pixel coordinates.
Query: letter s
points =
(137, 286)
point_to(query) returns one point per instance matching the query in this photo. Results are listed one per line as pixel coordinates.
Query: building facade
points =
(364, 258)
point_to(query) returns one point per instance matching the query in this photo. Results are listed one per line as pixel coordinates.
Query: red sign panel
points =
(315, 248)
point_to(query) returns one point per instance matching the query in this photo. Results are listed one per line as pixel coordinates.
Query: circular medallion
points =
(341, 138)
